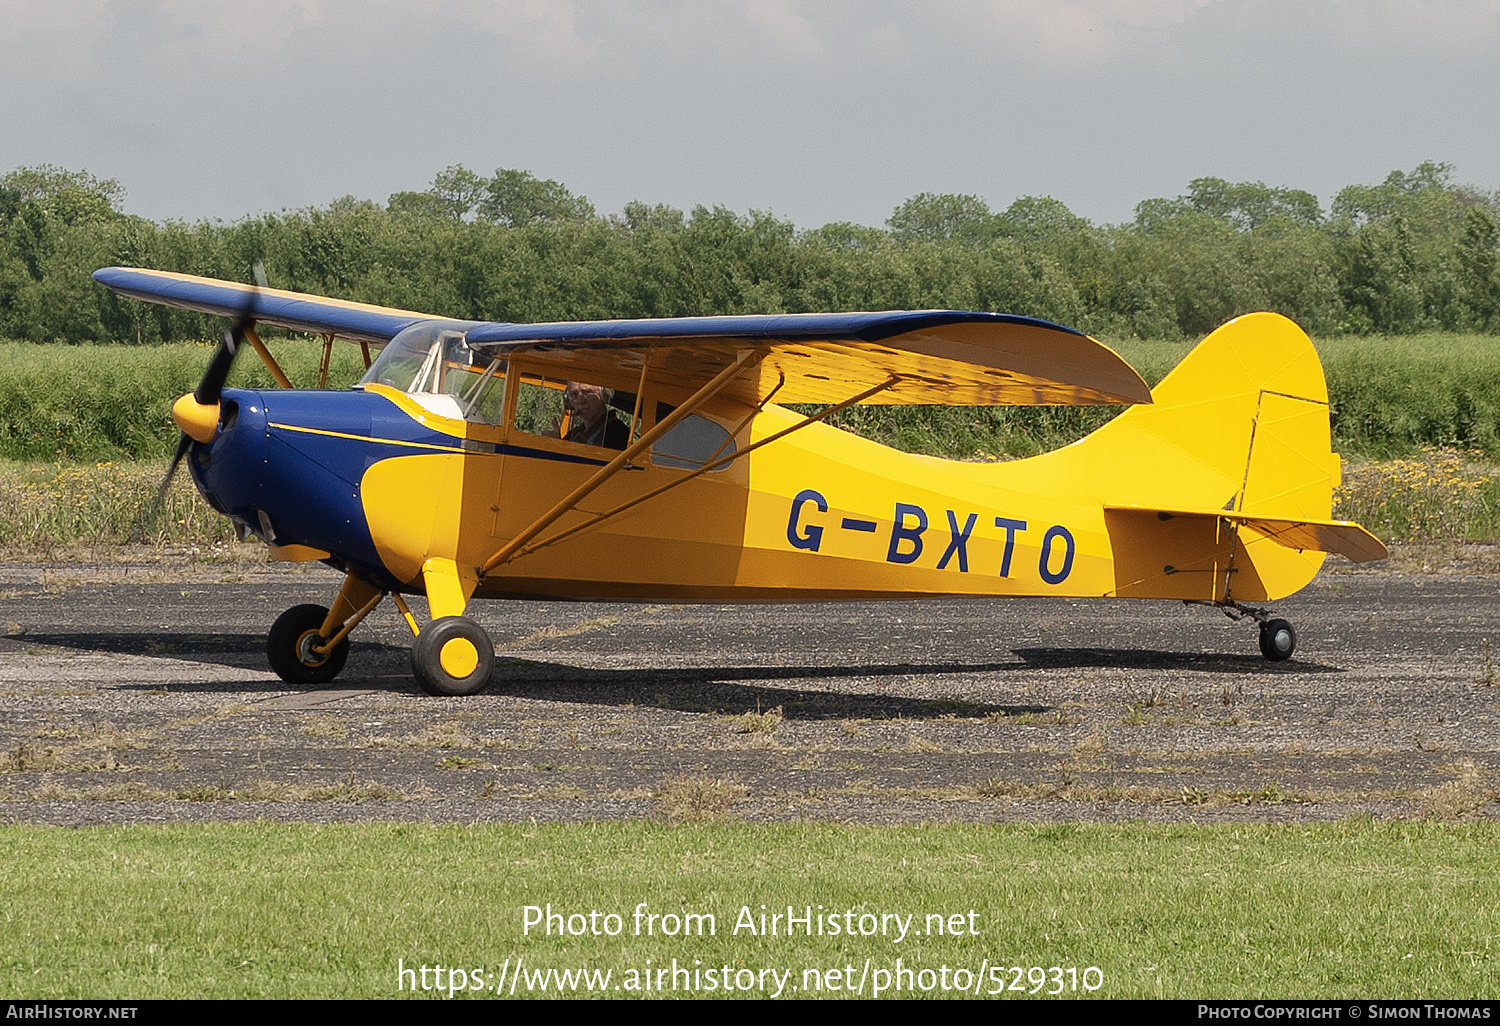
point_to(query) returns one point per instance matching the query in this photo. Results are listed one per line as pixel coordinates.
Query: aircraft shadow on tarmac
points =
(729, 690)
(247, 651)
(381, 667)
(722, 690)
(1136, 659)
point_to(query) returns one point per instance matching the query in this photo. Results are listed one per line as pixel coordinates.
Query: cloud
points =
(783, 23)
(1073, 29)
(615, 31)
(1116, 30)
(56, 35)
(1433, 26)
(544, 29)
(577, 32)
(630, 30)
(19, 19)
(227, 28)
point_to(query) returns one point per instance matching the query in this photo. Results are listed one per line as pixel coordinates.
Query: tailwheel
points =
(452, 656)
(290, 646)
(1277, 640)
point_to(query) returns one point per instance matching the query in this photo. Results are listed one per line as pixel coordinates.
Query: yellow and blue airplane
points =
(655, 459)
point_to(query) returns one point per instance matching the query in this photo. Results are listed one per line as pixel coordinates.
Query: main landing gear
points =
(453, 656)
(309, 644)
(1278, 639)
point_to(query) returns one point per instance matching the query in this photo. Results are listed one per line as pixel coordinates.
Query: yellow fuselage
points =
(823, 514)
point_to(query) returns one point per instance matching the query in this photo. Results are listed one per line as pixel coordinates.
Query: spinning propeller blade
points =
(199, 410)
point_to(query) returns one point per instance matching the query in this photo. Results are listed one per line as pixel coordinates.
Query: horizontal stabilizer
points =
(1341, 536)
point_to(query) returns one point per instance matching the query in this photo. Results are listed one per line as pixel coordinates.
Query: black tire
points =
(1277, 640)
(289, 643)
(427, 657)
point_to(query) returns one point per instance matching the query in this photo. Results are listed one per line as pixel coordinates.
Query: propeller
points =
(197, 413)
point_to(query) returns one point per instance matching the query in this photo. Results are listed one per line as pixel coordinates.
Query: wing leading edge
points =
(295, 311)
(936, 357)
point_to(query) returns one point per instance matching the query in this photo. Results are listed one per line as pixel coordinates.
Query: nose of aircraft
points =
(228, 458)
(199, 421)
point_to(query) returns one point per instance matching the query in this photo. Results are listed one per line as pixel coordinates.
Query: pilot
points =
(593, 422)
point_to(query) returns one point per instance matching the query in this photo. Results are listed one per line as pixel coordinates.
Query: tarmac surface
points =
(136, 694)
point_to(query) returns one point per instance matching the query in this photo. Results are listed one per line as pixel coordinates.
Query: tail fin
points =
(1205, 489)
(1241, 423)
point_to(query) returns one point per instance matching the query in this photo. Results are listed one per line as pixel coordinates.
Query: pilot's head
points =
(588, 401)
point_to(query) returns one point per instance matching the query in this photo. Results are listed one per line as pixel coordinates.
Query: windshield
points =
(433, 358)
(422, 357)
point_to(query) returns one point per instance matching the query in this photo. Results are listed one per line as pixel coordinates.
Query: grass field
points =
(85, 435)
(54, 509)
(1390, 397)
(1356, 909)
(93, 403)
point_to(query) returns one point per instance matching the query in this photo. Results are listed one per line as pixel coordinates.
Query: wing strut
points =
(713, 464)
(266, 357)
(327, 355)
(743, 361)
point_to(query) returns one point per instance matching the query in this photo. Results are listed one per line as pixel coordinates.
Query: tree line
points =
(1416, 252)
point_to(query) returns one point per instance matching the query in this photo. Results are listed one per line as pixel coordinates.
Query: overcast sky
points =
(817, 111)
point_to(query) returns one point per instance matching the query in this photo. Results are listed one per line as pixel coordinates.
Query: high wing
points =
(295, 311)
(937, 357)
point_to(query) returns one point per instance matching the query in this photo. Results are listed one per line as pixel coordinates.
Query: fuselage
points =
(376, 482)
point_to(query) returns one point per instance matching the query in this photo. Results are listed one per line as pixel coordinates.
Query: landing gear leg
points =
(309, 644)
(453, 656)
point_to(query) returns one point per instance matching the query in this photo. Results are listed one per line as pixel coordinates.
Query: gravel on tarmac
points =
(136, 694)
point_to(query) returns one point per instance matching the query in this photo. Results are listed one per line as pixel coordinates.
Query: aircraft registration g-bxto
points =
(655, 459)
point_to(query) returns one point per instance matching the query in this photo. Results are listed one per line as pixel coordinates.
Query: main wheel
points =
(290, 647)
(1277, 640)
(452, 656)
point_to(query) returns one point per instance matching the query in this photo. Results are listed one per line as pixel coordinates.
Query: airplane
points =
(470, 463)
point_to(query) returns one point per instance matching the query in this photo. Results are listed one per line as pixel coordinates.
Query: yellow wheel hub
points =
(305, 653)
(459, 658)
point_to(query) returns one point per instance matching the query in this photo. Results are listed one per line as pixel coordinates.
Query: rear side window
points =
(691, 443)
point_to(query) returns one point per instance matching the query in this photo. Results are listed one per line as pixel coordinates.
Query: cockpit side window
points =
(575, 411)
(482, 392)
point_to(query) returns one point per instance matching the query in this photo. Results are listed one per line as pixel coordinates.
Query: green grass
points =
(92, 427)
(1390, 397)
(1437, 495)
(1357, 909)
(100, 402)
(52, 505)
